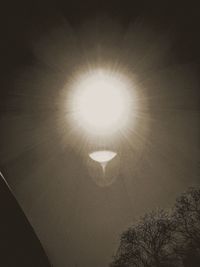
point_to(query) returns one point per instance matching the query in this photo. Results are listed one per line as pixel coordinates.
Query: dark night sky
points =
(77, 221)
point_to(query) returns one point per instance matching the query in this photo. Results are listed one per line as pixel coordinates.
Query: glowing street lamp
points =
(101, 109)
(101, 102)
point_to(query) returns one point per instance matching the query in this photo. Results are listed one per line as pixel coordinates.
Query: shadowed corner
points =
(19, 244)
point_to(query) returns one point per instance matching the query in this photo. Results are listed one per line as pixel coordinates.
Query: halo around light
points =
(101, 102)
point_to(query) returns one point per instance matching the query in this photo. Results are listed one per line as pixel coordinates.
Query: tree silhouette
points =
(187, 217)
(162, 239)
(149, 243)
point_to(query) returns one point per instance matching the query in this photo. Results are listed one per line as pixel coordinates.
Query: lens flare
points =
(103, 167)
(103, 157)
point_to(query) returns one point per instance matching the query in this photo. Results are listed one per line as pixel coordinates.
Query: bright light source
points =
(101, 102)
(103, 157)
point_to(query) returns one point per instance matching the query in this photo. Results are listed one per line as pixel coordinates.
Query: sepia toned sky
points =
(44, 47)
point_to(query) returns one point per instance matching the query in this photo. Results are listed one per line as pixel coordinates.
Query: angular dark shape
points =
(19, 245)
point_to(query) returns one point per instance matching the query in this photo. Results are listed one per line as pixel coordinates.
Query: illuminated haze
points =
(44, 154)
